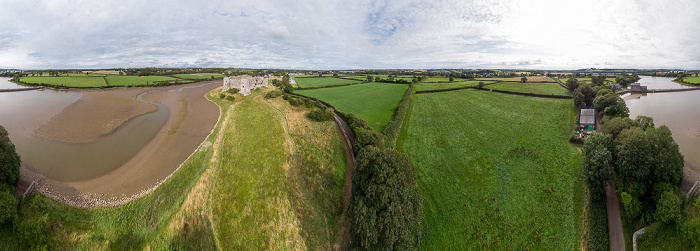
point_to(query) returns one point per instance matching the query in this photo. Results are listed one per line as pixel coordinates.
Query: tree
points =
(615, 126)
(668, 207)
(370, 78)
(368, 137)
(609, 104)
(579, 99)
(667, 163)
(523, 79)
(596, 165)
(452, 79)
(644, 122)
(634, 158)
(572, 84)
(9, 159)
(386, 207)
(8, 205)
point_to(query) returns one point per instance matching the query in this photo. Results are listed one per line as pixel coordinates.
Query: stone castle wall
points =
(244, 83)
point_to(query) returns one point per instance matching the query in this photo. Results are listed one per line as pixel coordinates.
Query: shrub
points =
(368, 137)
(321, 115)
(273, 94)
(230, 98)
(35, 231)
(575, 138)
(9, 159)
(232, 91)
(668, 208)
(285, 97)
(294, 101)
(8, 206)
(222, 96)
(386, 207)
(691, 232)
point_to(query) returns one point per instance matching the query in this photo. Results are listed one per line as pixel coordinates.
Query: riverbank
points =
(191, 120)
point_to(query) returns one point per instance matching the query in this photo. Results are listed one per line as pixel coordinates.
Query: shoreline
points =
(154, 163)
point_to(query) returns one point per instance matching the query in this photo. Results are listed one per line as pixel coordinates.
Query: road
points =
(615, 232)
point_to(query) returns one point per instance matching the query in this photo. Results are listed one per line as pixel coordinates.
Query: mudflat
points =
(192, 118)
(97, 113)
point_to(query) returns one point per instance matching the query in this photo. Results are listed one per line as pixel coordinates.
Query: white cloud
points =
(319, 34)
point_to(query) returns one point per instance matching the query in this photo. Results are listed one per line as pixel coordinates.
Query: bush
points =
(222, 96)
(368, 137)
(575, 138)
(9, 159)
(35, 231)
(294, 101)
(321, 115)
(273, 94)
(8, 206)
(232, 91)
(668, 208)
(230, 98)
(285, 97)
(386, 207)
(691, 232)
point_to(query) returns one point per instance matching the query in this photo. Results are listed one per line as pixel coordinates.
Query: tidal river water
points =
(680, 111)
(21, 113)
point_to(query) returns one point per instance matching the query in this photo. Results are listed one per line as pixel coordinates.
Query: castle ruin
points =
(244, 83)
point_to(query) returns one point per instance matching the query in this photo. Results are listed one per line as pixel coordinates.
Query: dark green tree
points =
(370, 78)
(9, 159)
(615, 126)
(579, 99)
(452, 79)
(386, 207)
(572, 84)
(644, 122)
(635, 158)
(523, 79)
(597, 165)
(667, 162)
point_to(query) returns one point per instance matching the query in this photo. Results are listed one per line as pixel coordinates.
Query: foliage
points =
(596, 165)
(572, 84)
(579, 99)
(523, 79)
(610, 104)
(273, 94)
(232, 91)
(631, 205)
(364, 137)
(393, 128)
(634, 157)
(9, 159)
(222, 96)
(230, 98)
(496, 170)
(35, 232)
(374, 102)
(534, 88)
(386, 207)
(615, 126)
(8, 206)
(668, 208)
(321, 114)
(597, 220)
(643, 122)
(295, 101)
(667, 161)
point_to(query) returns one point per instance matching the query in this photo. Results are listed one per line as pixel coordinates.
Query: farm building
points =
(292, 81)
(587, 119)
(244, 83)
(636, 87)
(616, 86)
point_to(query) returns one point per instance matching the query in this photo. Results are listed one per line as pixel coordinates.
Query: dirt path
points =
(347, 137)
(616, 234)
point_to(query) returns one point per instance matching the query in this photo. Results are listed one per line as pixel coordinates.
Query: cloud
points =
(316, 34)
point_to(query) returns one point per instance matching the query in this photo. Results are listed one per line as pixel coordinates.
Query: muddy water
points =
(23, 112)
(677, 110)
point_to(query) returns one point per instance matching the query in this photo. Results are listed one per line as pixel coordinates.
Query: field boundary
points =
(393, 128)
(527, 94)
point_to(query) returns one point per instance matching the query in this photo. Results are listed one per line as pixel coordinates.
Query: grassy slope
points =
(319, 82)
(374, 102)
(67, 81)
(536, 88)
(116, 80)
(496, 171)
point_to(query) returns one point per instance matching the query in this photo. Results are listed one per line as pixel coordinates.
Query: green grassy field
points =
(533, 79)
(200, 76)
(444, 79)
(496, 171)
(438, 86)
(536, 88)
(374, 102)
(692, 80)
(80, 82)
(116, 80)
(320, 82)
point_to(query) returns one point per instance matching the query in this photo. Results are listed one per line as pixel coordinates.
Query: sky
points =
(336, 35)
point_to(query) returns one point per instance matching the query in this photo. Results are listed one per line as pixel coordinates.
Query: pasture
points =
(692, 80)
(200, 76)
(533, 79)
(496, 171)
(534, 88)
(374, 102)
(76, 82)
(116, 80)
(321, 82)
(445, 79)
(423, 86)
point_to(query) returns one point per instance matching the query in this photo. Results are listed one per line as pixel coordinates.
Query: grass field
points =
(496, 171)
(438, 86)
(692, 80)
(200, 76)
(374, 102)
(536, 88)
(80, 82)
(116, 80)
(444, 79)
(533, 79)
(320, 82)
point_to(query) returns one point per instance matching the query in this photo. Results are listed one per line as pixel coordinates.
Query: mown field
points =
(496, 171)
(535, 88)
(75, 81)
(444, 79)
(200, 76)
(692, 80)
(116, 80)
(320, 82)
(438, 86)
(374, 102)
(533, 79)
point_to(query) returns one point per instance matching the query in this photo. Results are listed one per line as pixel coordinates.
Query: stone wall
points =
(244, 83)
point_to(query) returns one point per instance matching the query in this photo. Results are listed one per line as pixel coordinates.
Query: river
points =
(680, 111)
